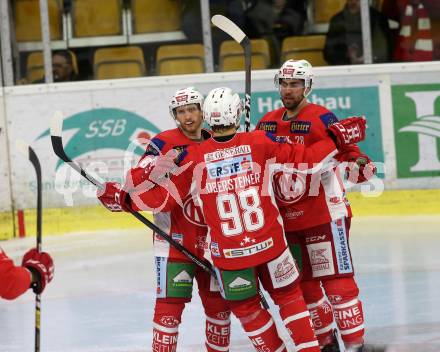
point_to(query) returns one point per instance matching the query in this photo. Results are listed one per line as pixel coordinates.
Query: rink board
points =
(92, 218)
(105, 119)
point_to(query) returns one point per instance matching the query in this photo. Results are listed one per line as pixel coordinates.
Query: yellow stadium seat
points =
(308, 47)
(180, 59)
(35, 65)
(156, 16)
(231, 56)
(120, 62)
(27, 20)
(96, 18)
(324, 10)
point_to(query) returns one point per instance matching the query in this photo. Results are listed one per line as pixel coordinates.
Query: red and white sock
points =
(320, 309)
(218, 333)
(166, 320)
(258, 325)
(321, 313)
(350, 319)
(296, 318)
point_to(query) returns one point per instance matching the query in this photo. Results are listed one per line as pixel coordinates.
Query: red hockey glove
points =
(152, 168)
(360, 167)
(41, 266)
(114, 198)
(348, 131)
(163, 166)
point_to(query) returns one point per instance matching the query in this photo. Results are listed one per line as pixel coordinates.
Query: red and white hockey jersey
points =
(14, 280)
(184, 225)
(306, 200)
(231, 180)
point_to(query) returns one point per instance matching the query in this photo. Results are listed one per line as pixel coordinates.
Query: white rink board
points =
(5, 195)
(29, 110)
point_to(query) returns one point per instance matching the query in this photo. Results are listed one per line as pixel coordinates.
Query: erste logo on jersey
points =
(230, 167)
(269, 126)
(289, 187)
(193, 213)
(302, 127)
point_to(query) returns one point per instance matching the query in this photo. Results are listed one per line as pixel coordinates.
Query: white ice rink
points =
(102, 296)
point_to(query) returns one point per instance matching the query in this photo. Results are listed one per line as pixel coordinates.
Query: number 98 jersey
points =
(231, 181)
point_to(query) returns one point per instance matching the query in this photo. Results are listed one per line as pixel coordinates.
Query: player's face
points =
(190, 118)
(292, 92)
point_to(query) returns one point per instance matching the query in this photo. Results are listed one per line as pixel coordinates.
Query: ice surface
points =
(102, 296)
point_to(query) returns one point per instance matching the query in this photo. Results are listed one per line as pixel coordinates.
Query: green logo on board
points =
(416, 112)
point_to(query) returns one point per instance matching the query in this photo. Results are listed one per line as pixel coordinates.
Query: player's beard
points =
(190, 129)
(291, 102)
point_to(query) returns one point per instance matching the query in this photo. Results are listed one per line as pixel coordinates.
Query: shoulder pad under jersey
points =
(181, 156)
(154, 147)
(328, 119)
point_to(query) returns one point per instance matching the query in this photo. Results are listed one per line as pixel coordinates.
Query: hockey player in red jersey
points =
(229, 176)
(35, 272)
(317, 215)
(175, 272)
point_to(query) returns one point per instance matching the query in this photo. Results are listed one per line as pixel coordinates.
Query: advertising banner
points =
(416, 114)
(343, 102)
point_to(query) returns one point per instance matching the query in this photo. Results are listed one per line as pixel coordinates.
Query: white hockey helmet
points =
(185, 96)
(222, 107)
(296, 69)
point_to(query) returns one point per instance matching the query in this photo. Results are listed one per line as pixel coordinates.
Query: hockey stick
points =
(57, 144)
(56, 130)
(229, 27)
(29, 153)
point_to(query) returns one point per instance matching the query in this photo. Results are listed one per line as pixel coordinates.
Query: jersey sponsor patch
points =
(283, 270)
(268, 126)
(215, 250)
(278, 139)
(342, 251)
(238, 284)
(178, 237)
(302, 127)
(161, 274)
(321, 259)
(154, 147)
(247, 251)
(227, 153)
(328, 119)
(193, 213)
(229, 167)
(289, 187)
(180, 279)
(180, 148)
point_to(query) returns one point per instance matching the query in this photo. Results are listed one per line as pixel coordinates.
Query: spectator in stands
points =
(281, 18)
(63, 67)
(343, 45)
(419, 20)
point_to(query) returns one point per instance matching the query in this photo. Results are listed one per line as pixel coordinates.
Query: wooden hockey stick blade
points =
(56, 125)
(22, 147)
(227, 26)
